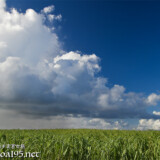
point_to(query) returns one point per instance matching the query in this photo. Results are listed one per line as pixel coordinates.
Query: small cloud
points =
(156, 113)
(59, 17)
(153, 99)
(51, 17)
(48, 9)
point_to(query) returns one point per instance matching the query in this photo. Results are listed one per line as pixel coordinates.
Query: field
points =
(82, 144)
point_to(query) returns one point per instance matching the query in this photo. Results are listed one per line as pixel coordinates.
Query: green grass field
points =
(83, 144)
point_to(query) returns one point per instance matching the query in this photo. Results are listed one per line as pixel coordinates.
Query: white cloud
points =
(48, 9)
(153, 99)
(156, 113)
(2, 4)
(26, 37)
(146, 124)
(114, 95)
(52, 17)
(38, 77)
(103, 124)
(3, 45)
(58, 17)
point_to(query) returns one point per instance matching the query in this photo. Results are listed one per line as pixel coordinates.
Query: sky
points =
(79, 64)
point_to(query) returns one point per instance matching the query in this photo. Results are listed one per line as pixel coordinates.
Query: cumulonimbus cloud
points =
(37, 77)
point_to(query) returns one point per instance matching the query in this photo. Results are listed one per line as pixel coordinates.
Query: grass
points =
(84, 144)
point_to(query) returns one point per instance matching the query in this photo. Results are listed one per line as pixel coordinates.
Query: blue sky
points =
(111, 75)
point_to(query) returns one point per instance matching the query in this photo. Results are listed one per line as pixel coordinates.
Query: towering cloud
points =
(38, 78)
